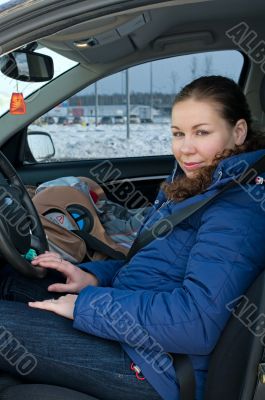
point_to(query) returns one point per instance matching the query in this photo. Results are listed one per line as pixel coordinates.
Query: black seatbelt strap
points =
(97, 245)
(185, 376)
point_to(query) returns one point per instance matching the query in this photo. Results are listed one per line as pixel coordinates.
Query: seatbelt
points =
(182, 363)
(185, 376)
(97, 245)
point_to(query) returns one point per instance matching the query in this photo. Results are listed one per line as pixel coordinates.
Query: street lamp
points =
(128, 103)
(151, 91)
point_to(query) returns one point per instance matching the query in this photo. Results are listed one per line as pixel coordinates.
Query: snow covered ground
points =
(75, 142)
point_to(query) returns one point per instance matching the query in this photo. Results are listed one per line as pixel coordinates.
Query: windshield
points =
(6, 4)
(8, 85)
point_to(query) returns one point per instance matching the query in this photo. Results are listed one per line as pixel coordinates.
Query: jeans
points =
(41, 347)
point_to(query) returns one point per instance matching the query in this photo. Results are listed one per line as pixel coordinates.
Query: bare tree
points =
(174, 79)
(208, 64)
(194, 67)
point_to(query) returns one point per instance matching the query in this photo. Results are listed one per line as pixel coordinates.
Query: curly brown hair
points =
(233, 106)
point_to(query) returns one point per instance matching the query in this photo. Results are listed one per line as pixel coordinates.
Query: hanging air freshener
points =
(17, 104)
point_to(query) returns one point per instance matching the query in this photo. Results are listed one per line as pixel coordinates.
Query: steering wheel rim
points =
(38, 237)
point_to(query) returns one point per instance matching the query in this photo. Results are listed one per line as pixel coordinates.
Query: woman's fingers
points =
(61, 266)
(53, 261)
(62, 288)
(48, 254)
(49, 305)
(63, 306)
(48, 257)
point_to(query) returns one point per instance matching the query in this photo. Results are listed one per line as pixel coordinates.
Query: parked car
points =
(119, 119)
(77, 120)
(107, 120)
(134, 119)
(146, 121)
(112, 119)
(48, 120)
(93, 40)
(62, 121)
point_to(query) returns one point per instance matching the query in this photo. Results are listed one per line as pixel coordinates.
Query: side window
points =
(127, 114)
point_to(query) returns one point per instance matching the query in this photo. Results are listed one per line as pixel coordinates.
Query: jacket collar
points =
(234, 166)
(229, 168)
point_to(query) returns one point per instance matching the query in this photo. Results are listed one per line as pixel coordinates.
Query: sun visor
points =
(98, 43)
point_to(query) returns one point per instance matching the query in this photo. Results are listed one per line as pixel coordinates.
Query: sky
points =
(164, 76)
(13, 2)
(169, 75)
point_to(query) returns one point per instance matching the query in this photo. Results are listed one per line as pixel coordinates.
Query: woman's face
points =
(200, 132)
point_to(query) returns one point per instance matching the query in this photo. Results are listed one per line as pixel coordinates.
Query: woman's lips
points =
(191, 166)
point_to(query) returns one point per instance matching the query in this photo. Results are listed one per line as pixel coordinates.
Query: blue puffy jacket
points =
(172, 295)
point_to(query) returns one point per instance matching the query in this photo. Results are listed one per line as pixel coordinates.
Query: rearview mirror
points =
(27, 66)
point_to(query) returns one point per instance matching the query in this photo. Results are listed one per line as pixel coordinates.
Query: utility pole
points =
(96, 103)
(128, 103)
(151, 91)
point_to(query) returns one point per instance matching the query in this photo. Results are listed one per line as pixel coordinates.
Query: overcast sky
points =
(169, 75)
(11, 1)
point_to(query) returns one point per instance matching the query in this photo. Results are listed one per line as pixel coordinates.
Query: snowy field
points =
(75, 142)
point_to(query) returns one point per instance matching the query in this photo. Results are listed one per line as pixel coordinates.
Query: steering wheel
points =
(20, 225)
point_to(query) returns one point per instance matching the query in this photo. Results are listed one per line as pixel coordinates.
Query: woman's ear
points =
(240, 131)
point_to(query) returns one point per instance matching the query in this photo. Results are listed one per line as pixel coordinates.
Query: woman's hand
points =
(63, 306)
(76, 278)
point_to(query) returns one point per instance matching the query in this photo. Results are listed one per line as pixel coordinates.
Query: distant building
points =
(145, 113)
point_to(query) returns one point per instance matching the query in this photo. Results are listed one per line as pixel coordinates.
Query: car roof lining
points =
(184, 22)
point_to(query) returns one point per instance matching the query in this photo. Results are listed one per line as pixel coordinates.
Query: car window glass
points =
(128, 114)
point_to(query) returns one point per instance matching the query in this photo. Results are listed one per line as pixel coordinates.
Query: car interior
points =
(100, 39)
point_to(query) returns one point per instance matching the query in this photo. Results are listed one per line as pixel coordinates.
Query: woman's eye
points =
(202, 132)
(177, 134)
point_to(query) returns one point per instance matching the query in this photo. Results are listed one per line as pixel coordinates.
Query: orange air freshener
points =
(17, 104)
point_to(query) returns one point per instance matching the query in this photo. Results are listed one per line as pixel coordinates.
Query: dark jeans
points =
(55, 353)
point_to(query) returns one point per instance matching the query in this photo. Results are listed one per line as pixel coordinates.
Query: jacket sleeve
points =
(226, 258)
(104, 271)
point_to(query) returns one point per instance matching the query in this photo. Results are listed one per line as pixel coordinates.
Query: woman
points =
(172, 295)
